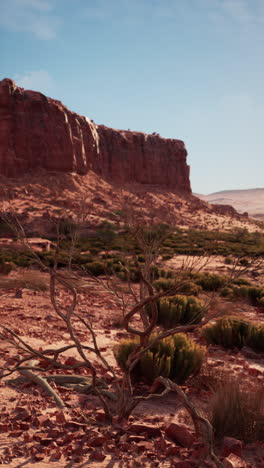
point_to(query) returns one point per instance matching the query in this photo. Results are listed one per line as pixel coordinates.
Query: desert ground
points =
(35, 432)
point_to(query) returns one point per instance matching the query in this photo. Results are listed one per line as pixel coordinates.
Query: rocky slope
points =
(39, 132)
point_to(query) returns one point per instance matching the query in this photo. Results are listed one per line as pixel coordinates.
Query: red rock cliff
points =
(39, 132)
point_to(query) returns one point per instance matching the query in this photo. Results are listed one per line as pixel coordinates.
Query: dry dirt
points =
(34, 432)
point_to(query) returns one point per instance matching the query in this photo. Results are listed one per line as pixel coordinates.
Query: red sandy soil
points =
(34, 432)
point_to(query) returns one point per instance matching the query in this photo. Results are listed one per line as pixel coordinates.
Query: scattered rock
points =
(231, 445)
(96, 441)
(184, 464)
(180, 435)
(18, 294)
(151, 431)
(98, 456)
(233, 461)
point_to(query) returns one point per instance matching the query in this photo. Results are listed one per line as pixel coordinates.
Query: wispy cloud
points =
(243, 12)
(37, 80)
(32, 16)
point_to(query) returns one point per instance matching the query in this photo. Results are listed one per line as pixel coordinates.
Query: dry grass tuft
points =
(237, 412)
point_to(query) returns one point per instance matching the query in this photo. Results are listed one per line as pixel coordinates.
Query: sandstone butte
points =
(37, 132)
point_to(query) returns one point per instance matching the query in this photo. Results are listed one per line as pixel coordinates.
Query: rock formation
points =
(39, 132)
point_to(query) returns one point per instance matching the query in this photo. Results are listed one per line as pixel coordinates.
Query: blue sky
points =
(186, 69)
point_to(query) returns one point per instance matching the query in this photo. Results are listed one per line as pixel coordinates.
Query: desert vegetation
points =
(168, 318)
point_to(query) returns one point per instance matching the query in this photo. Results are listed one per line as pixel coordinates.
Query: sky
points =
(187, 69)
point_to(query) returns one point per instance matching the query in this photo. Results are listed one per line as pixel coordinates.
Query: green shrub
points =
(252, 293)
(189, 287)
(95, 268)
(182, 286)
(141, 258)
(163, 284)
(229, 332)
(226, 292)
(167, 257)
(244, 262)
(241, 282)
(179, 310)
(256, 338)
(67, 226)
(169, 274)
(5, 268)
(228, 260)
(175, 357)
(210, 281)
(187, 359)
(134, 274)
(255, 294)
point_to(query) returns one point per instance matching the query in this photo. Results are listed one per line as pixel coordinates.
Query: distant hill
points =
(251, 200)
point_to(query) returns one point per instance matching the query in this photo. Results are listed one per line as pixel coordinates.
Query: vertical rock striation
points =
(39, 132)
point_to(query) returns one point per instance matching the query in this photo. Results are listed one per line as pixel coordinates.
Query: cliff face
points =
(39, 132)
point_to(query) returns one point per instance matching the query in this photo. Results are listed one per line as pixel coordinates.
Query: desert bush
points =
(187, 287)
(210, 281)
(179, 310)
(176, 357)
(256, 338)
(5, 268)
(244, 262)
(66, 226)
(130, 270)
(226, 292)
(163, 284)
(95, 268)
(187, 358)
(253, 294)
(228, 260)
(190, 288)
(229, 332)
(169, 274)
(167, 257)
(141, 258)
(234, 413)
(113, 266)
(241, 282)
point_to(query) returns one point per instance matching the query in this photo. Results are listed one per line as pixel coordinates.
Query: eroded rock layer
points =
(39, 132)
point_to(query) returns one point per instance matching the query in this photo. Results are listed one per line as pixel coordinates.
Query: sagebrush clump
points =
(235, 332)
(176, 357)
(229, 332)
(210, 281)
(179, 309)
(256, 338)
